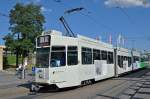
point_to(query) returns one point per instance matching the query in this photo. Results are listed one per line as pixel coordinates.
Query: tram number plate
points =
(43, 41)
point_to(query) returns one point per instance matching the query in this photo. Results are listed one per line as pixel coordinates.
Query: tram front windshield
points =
(42, 57)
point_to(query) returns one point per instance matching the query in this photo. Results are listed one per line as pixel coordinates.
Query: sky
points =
(99, 18)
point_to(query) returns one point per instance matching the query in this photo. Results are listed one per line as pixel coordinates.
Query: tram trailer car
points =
(123, 60)
(127, 61)
(72, 61)
(136, 60)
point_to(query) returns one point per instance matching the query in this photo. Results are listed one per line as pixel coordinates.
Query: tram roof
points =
(80, 37)
(93, 40)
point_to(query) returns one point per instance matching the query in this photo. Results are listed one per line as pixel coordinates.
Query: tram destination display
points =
(43, 41)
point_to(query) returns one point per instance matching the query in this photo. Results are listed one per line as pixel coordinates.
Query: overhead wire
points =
(128, 16)
(124, 12)
(93, 20)
(100, 24)
(89, 16)
(131, 21)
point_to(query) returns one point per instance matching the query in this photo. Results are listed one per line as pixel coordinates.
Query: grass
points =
(10, 61)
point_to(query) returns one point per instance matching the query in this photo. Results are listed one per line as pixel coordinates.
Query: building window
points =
(86, 55)
(110, 59)
(96, 55)
(72, 55)
(58, 56)
(104, 55)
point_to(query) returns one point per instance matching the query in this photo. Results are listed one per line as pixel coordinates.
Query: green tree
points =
(26, 23)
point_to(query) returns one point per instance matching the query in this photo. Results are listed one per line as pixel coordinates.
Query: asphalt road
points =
(131, 86)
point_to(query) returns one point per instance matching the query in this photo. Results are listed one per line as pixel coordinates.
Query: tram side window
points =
(58, 56)
(72, 55)
(104, 55)
(136, 58)
(96, 55)
(129, 61)
(125, 58)
(110, 58)
(120, 61)
(86, 55)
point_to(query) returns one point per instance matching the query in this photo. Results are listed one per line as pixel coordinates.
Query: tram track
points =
(106, 87)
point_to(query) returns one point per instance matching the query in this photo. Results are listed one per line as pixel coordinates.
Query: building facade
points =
(1, 57)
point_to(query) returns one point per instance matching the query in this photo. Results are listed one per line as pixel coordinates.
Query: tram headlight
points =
(40, 75)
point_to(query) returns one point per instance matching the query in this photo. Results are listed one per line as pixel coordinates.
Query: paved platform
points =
(7, 77)
(11, 85)
(140, 89)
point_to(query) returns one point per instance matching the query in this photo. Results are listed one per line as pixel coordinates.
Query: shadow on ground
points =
(142, 80)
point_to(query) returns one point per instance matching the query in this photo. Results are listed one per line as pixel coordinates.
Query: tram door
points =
(64, 62)
(98, 67)
(58, 63)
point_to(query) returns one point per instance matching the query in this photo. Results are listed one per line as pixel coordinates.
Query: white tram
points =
(71, 61)
(123, 60)
(126, 60)
(136, 60)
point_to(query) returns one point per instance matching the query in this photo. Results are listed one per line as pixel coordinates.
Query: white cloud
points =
(38, 0)
(33, 1)
(43, 9)
(127, 3)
